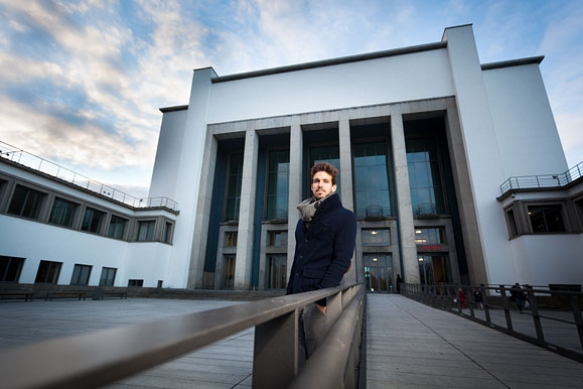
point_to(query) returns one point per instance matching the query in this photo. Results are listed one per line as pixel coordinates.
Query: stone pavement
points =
(409, 345)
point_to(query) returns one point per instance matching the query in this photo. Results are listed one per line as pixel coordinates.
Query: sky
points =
(82, 82)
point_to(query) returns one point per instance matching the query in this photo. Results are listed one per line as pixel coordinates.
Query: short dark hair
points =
(325, 167)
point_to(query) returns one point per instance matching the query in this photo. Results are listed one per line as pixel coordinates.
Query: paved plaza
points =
(409, 345)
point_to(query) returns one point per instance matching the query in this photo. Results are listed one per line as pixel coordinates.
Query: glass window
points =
(277, 238)
(48, 271)
(546, 218)
(168, 233)
(81, 274)
(117, 226)
(579, 209)
(146, 230)
(231, 239)
(424, 177)
(276, 272)
(92, 220)
(229, 273)
(63, 212)
(371, 181)
(277, 185)
(107, 276)
(10, 268)
(433, 269)
(425, 235)
(376, 236)
(378, 272)
(136, 283)
(512, 227)
(235, 180)
(26, 202)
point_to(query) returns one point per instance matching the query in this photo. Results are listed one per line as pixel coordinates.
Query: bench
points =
(13, 295)
(54, 295)
(122, 295)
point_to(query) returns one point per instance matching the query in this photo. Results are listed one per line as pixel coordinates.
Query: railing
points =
(42, 165)
(544, 180)
(550, 319)
(100, 358)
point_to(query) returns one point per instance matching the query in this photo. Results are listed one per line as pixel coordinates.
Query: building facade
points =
(423, 138)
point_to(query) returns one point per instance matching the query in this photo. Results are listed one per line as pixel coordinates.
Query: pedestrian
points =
(462, 296)
(399, 280)
(517, 295)
(478, 298)
(325, 238)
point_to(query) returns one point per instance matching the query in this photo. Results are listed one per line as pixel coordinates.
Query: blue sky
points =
(81, 82)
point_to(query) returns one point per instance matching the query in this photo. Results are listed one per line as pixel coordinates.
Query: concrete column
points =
(295, 187)
(244, 259)
(345, 151)
(406, 224)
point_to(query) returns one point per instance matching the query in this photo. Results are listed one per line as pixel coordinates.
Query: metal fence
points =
(42, 165)
(544, 180)
(549, 318)
(101, 358)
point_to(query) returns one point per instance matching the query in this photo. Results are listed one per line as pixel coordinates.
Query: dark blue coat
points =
(324, 250)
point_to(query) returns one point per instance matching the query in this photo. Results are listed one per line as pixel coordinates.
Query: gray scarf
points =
(308, 208)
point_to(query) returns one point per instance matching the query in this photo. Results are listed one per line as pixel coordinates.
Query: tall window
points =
(92, 220)
(276, 271)
(371, 181)
(63, 212)
(146, 231)
(117, 226)
(10, 268)
(81, 274)
(107, 276)
(48, 271)
(26, 202)
(378, 272)
(235, 180)
(433, 269)
(546, 218)
(168, 232)
(277, 185)
(424, 177)
(229, 273)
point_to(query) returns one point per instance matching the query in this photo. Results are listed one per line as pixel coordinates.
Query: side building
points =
(434, 151)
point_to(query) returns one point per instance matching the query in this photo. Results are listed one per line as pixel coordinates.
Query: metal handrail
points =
(21, 157)
(503, 315)
(101, 358)
(544, 180)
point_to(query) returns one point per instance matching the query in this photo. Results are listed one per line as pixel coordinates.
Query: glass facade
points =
(277, 185)
(371, 180)
(235, 180)
(433, 269)
(424, 177)
(378, 272)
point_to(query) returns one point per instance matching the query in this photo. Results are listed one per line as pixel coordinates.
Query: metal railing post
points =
(531, 298)
(506, 307)
(577, 316)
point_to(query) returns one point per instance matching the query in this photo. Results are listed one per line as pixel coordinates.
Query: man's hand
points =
(321, 308)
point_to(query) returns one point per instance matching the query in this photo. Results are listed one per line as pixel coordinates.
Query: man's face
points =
(322, 185)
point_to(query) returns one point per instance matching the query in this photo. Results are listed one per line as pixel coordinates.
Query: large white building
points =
(454, 169)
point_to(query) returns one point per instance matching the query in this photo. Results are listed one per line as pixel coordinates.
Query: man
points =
(325, 237)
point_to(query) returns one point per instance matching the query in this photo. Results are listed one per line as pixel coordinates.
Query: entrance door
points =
(433, 269)
(378, 272)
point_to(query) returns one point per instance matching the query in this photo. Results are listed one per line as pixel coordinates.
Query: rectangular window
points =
(427, 196)
(229, 273)
(168, 233)
(511, 220)
(63, 212)
(107, 276)
(146, 231)
(378, 272)
(234, 182)
(26, 202)
(276, 272)
(231, 239)
(10, 268)
(546, 218)
(136, 283)
(429, 235)
(376, 236)
(277, 238)
(371, 180)
(92, 220)
(81, 274)
(277, 185)
(117, 227)
(328, 154)
(48, 272)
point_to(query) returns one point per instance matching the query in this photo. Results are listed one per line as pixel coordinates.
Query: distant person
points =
(478, 298)
(517, 295)
(399, 280)
(325, 240)
(462, 296)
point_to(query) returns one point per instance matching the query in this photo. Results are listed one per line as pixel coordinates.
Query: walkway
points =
(409, 345)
